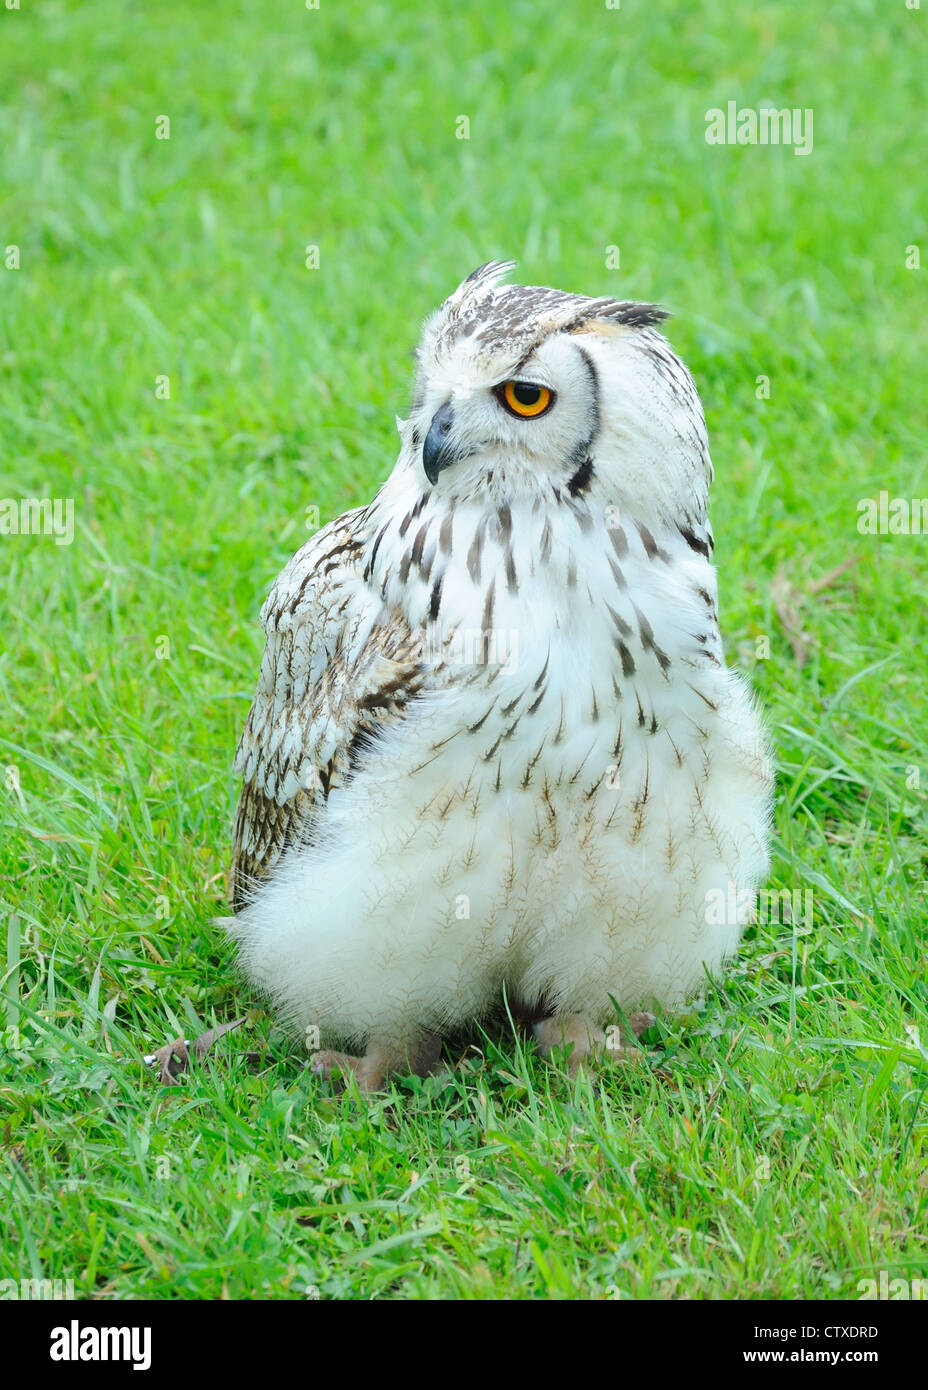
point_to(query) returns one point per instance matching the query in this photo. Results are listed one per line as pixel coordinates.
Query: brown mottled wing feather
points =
(337, 667)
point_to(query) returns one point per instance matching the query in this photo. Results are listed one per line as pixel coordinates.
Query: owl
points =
(495, 758)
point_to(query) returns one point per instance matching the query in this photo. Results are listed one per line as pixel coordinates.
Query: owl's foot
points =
(380, 1061)
(587, 1042)
(330, 1065)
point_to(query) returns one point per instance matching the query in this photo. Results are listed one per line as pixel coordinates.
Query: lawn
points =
(206, 337)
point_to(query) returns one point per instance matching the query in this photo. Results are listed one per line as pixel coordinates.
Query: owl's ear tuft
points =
(478, 283)
(631, 314)
(462, 305)
(490, 273)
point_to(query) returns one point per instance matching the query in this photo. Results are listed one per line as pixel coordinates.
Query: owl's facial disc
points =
(521, 399)
(514, 426)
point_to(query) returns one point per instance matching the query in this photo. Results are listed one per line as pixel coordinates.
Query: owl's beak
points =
(437, 451)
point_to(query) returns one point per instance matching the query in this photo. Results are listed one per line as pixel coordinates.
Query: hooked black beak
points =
(437, 452)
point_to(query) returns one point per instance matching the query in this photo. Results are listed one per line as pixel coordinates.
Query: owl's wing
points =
(337, 668)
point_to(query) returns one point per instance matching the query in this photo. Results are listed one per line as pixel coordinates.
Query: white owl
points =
(495, 752)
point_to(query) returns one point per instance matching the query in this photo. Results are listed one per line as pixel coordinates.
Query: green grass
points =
(774, 1144)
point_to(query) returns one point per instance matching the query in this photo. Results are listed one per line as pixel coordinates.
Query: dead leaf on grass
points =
(173, 1059)
(789, 600)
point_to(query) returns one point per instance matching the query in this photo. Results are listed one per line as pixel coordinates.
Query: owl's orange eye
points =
(524, 398)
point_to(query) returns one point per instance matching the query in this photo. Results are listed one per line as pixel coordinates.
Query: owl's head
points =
(529, 392)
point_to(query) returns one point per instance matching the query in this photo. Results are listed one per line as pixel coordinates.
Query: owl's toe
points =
(370, 1071)
(330, 1064)
(380, 1061)
(589, 1045)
